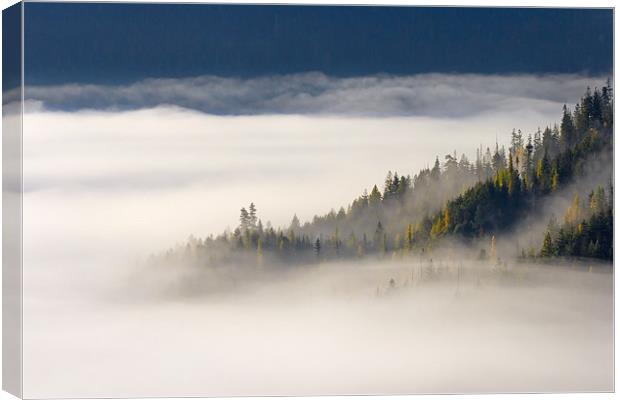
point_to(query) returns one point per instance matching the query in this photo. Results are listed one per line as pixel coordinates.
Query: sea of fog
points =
(378, 327)
(103, 189)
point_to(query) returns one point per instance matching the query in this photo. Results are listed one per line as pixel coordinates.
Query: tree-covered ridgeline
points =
(455, 198)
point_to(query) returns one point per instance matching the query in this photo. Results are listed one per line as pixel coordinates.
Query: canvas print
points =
(259, 200)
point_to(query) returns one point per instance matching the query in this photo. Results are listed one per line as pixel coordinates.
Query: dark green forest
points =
(455, 201)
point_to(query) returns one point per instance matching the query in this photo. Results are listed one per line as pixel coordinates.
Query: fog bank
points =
(120, 176)
(330, 329)
(131, 175)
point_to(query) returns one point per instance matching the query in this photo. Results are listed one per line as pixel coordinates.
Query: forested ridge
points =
(456, 200)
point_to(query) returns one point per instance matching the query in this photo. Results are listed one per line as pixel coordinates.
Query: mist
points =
(107, 185)
(442, 327)
(109, 164)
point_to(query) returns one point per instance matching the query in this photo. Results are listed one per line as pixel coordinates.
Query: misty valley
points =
(365, 327)
(485, 275)
(490, 209)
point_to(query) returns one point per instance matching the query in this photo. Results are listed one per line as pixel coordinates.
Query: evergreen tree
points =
(547, 248)
(374, 200)
(252, 218)
(244, 219)
(436, 171)
(567, 129)
(317, 248)
(295, 225)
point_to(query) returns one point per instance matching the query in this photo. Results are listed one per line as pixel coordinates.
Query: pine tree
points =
(387, 186)
(529, 153)
(436, 171)
(295, 224)
(538, 144)
(317, 248)
(499, 159)
(567, 129)
(547, 247)
(244, 219)
(252, 218)
(374, 200)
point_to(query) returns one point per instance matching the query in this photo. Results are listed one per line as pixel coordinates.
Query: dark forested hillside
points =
(494, 205)
(456, 198)
(587, 230)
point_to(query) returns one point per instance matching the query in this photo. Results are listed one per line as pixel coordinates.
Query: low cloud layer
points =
(131, 173)
(433, 95)
(334, 329)
(138, 168)
(111, 175)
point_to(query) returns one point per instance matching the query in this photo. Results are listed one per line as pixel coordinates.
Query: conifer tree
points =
(244, 219)
(567, 129)
(374, 199)
(295, 224)
(317, 248)
(436, 171)
(547, 247)
(252, 218)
